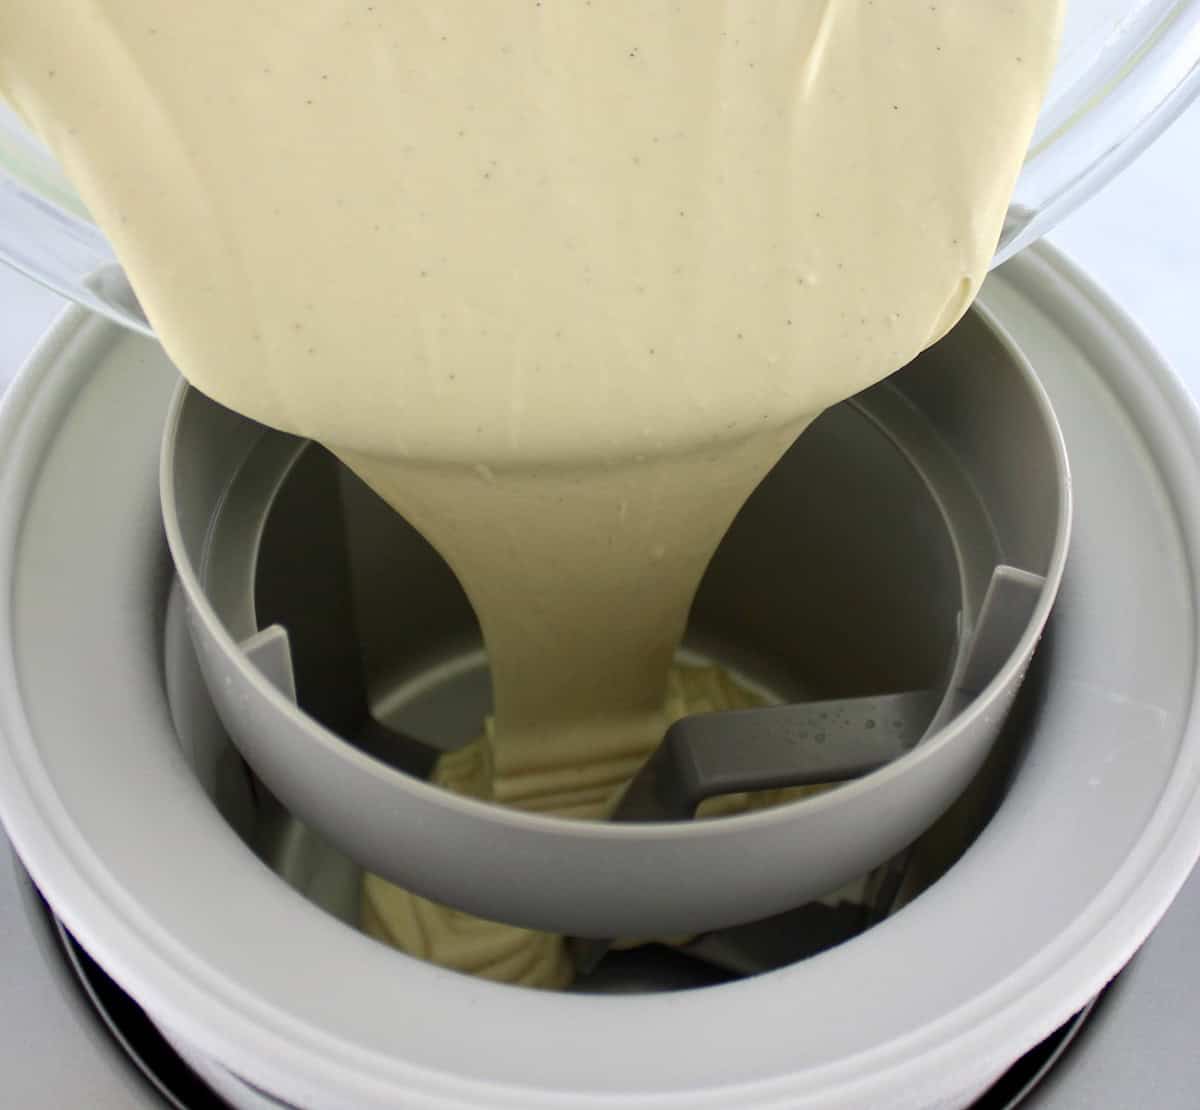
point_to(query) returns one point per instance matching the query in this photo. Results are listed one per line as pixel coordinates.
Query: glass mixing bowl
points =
(1126, 69)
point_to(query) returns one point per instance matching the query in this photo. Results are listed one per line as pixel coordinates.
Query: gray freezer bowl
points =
(1098, 829)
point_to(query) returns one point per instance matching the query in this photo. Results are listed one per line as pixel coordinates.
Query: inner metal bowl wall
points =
(844, 574)
(840, 577)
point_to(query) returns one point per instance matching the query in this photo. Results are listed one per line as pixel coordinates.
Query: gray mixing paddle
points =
(808, 744)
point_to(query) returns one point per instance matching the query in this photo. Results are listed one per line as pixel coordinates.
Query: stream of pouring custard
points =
(560, 279)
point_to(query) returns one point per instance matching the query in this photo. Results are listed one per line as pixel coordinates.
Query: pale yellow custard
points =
(561, 279)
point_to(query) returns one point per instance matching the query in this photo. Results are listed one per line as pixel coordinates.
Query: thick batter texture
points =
(561, 279)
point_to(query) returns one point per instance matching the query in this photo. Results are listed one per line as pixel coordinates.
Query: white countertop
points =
(1140, 238)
